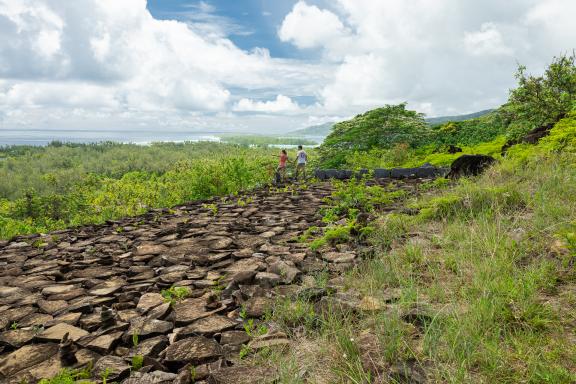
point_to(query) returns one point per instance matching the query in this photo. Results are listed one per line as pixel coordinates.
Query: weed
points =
(104, 375)
(137, 362)
(14, 325)
(245, 350)
(254, 330)
(173, 295)
(211, 207)
(135, 338)
(293, 313)
(193, 374)
(68, 376)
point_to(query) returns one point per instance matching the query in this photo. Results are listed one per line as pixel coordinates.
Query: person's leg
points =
(283, 174)
(304, 171)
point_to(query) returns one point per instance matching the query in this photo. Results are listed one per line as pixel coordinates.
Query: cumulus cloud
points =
(282, 104)
(308, 26)
(114, 55)
(442, 56)
(106, 62)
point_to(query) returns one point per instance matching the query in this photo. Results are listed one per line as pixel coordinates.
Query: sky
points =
(263, 66)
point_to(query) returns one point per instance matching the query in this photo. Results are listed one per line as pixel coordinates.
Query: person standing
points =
(282, 165)
(301, 160)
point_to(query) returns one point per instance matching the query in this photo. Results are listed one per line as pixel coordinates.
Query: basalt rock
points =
(469, 165)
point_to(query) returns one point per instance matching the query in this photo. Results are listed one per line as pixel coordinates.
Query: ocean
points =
(44, 137)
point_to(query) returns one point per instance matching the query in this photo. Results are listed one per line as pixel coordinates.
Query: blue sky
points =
(263, 66)
(256, 21)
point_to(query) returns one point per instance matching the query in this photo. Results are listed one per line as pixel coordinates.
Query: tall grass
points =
(479, 264)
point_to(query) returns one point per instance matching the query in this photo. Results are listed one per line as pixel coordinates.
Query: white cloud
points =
(487, 41)
(282, 104)
(308, 26)
(441, 56)
(91, 63)
(115, 55)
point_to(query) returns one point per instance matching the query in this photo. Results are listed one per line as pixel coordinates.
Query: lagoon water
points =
(43, 137)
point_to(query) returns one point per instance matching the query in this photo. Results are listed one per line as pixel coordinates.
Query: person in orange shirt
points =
(282, 165)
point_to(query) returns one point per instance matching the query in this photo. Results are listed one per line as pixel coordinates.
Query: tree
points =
(540, 100)
(379, 128)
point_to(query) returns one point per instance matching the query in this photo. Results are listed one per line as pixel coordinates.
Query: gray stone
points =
(190, 310)
(147, 327)
(17, 337)
(267, 279)
(207, 326)
(195, 350)
(243, 375)
(25, 358)
(148, 301)
(57, 332)
(104, 344)
(116, 367)
(234, 338)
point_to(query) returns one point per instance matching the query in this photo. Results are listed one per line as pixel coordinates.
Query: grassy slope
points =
(491, 261)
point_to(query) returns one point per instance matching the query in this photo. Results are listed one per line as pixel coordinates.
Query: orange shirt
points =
(283, 160)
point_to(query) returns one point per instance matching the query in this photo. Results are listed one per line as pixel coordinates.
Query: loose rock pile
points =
(92, 294)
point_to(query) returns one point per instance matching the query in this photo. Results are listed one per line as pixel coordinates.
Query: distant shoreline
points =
(41, 138)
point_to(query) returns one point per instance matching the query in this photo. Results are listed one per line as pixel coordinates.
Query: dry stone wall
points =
(93, 294)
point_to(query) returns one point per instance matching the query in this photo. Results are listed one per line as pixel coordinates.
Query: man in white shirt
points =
(301, 160)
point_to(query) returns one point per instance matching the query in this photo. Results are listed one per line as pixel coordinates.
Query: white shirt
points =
(301, 157)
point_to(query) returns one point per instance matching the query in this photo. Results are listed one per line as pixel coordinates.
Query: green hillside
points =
(321, 130)
(445, 119)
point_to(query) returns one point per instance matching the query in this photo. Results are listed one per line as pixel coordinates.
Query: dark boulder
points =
(452, 149)
(469, 165)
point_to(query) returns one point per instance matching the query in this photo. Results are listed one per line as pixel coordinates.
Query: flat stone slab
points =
(150, 249)
(145, 327)
(194, 350)
(116, 367)
(234, 338)
(103, 344)
(57, 289)
(148, 301)
(26, 357)
(17, 337)
(52, 306)
(150, 347)
(339, 257)
(209, 326)
(57, 332)
(190, 310)
(243, 375)
(107, 288)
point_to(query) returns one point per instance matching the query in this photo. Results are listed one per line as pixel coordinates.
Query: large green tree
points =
(540, 100)
(379, 128)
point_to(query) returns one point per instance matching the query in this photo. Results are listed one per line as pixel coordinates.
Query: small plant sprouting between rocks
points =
(212, 207)
(68, 376)
(253, 330)
(105, 375)
(137, 362)
(14, 326)
(174, 295)
(135, 338)
(245, 350)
